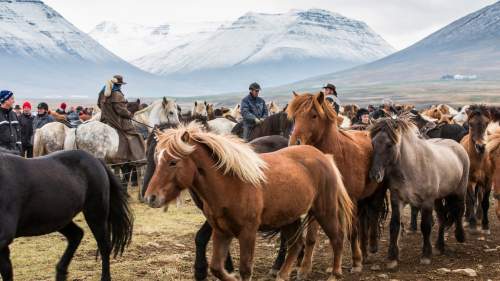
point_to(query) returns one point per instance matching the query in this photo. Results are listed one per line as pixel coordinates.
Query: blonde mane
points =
(493, 144)
(233, 155)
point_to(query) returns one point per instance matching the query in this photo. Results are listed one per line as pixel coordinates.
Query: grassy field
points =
(163, 249)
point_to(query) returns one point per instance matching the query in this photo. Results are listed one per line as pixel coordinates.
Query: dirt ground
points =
(163, 249)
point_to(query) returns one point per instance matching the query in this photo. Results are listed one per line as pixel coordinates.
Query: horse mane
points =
(307, 102)
(478, 109)
(394, 127)
(233, 155)
(148, 108)
(493, 144)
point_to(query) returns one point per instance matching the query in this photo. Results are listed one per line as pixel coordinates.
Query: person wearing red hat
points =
(62, 109)
(26, 121)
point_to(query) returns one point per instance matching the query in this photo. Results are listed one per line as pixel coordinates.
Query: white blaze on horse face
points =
(199, 109)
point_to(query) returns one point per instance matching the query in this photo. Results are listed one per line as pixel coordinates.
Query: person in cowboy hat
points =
(26, 121)
(330, 92)
(253, 110)
(114, 112)
(10, 131)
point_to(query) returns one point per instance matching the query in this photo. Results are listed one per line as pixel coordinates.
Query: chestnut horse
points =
(493, 148)
(481, 168)
(316, 125)
(244, 192)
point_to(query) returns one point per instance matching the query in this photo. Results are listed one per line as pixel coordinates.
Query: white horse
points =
(235, 113)
(97, 138)
(461, 117)
(273, 108)
(199, 110)
(221, 126)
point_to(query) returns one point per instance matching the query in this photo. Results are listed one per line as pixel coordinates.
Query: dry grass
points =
(163, 249)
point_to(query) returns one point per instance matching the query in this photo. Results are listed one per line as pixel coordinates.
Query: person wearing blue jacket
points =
(253, 110)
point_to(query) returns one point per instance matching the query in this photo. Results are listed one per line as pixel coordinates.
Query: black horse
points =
(261, 145)
(276, 124)
(42, 195)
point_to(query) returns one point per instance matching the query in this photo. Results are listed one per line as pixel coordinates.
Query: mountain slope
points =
(42, 54)
(468, 46)
(270, 48)
(131, 41)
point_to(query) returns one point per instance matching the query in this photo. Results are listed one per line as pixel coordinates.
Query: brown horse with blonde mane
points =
(244, 192)
(493, 148)
(481, 167)
(316, 125)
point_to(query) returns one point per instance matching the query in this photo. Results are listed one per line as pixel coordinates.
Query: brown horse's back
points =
(297, 174)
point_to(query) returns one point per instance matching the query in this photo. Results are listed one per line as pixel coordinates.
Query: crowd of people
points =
(18, 124)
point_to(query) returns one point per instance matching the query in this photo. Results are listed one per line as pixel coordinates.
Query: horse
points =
(481, 167)
(276, 124)
(221, 125)
(424, 173)
(210, 111)
(199, 110)
(276, 188)
(235, 113)
(133, 107)
(260, 145)
(50, 193)
(493, 148)
(316, 125)
(350, 110)
(273, 108)
(159, 112)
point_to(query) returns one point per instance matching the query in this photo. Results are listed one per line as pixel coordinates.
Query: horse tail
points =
(345, 206)
(121, 219)
(70, 140)
(38, 147)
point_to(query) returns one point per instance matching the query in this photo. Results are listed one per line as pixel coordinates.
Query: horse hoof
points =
(392, 264)
(273, 272)
(474, 231)
(486, 231)
(357, 269)
(425, 261)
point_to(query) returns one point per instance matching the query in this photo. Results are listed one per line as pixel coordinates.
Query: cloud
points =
(401, 23)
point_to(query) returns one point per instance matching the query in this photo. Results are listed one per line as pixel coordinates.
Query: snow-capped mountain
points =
(42, 54)
(131, 41)
(270, 48)
(468, 46)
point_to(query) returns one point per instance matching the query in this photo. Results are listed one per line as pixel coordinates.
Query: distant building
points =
(458, 77)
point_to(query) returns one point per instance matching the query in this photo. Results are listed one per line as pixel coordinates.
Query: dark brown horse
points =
(276, 124)
(243, 192)
(481, 167)
(316, 125)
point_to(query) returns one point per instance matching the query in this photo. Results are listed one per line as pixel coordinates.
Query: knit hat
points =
(63, 106)
(43, 105)
(26, 104)
(17, 107)
(5, 95)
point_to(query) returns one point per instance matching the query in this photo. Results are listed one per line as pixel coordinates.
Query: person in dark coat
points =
(331, 95)
(17, 110)
(386, 110)
(114, 113)
(10, 130)
(62, 109)
(253, 110)
(26, 121)
(42, 118)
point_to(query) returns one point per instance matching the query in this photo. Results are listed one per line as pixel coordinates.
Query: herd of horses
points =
(301, 170)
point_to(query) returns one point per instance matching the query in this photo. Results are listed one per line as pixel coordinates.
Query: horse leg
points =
(7, 234)
(425, 228)
(295, 242)
(414, 217)
(457, 208)
(201, 264)
(280, 259)
(97, 224)
(364, 228)
(470, 206)
(220, 251)
(247, 251)
(5, 264)
(311, 237)
(331, 226)
(485, 204)
(357, 254)
(394, 228)
(74, 234)
(441, 215)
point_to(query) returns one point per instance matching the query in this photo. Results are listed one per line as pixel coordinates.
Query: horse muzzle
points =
(377, 175)
(154, 201)
(480, 148)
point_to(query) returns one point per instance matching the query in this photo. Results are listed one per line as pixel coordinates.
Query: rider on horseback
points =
(114, 113)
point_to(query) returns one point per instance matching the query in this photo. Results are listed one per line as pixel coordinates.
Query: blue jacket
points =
(252, 108)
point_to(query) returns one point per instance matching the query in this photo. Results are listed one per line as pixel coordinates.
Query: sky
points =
(399, 22)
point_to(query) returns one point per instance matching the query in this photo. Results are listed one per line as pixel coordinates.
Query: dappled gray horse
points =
(424, 173)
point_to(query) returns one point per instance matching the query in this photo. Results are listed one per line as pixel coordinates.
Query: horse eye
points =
(171, 113)
(172, 163)
(314, 116)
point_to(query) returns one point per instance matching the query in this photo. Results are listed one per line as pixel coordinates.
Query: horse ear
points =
(165, 102)
(179, 108)
(185, 137)
(138, 101)
(320, 97)
(295, 94)
(205, 103)
(195, 103)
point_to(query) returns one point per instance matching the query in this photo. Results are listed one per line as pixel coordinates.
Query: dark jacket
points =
(26, 122)
(40, 121)
(10, 130)
(334, 100)
(252, 108)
